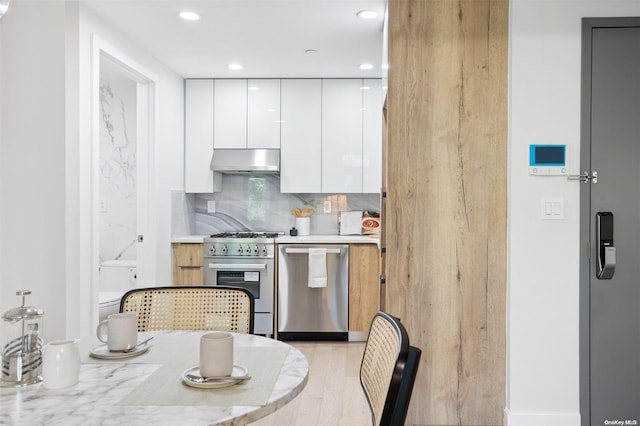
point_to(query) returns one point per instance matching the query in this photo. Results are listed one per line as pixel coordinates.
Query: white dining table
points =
(148, 388)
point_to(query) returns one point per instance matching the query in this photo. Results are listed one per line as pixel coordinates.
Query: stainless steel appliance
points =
(246, 161)
(306, 312)
(244, 259)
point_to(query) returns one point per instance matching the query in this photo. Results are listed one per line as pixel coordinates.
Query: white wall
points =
(45, 157)
(543, 317)
(165, 162)
(32, 160)
(3, 293)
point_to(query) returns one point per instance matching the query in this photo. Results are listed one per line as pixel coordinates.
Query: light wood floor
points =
(333, 396)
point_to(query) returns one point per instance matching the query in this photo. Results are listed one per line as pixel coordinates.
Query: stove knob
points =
(212, 250)
(248, 249)
(224, 249)
(264, 250)
(255, 249)
(239, 249)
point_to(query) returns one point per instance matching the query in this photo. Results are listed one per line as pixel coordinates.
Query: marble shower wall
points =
(254, 203)
(117, 168)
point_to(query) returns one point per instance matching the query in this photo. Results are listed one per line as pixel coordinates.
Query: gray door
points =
(610, 308)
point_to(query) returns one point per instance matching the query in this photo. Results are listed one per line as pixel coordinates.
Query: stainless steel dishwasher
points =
(310, 313)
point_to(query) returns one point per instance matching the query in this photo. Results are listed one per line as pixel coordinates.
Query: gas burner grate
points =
(246, 234)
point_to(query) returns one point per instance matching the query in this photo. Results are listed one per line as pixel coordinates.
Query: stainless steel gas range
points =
(245, 259)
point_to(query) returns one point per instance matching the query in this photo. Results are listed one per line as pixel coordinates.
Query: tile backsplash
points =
(255, 203)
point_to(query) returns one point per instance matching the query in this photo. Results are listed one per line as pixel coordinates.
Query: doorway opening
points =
(122, 141)
(117, 186)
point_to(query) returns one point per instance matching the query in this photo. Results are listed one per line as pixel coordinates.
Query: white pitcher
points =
(60, 364)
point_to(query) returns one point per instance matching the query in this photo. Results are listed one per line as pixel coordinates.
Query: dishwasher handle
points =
(306, 251)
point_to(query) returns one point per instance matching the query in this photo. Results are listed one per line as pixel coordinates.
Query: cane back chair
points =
(191, 308)
(388, 370)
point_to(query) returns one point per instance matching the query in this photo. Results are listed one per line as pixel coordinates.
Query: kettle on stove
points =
(22, 355)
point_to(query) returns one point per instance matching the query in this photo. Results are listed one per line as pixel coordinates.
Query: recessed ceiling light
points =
(367, 14)
(366, 66)
(254, 88)
(189, 16)
(235, 67)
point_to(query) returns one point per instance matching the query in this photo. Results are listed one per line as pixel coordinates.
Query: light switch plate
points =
(552, 208)
(211, 206)
(327, 206)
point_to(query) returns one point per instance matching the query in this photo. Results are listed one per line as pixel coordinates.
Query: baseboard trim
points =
(549, 418)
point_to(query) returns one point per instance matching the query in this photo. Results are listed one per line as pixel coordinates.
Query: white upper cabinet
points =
(263, 113)
(247, 113)
(329, 131)
(230, 114)
(198, 146)
(372, 98)
(342, 136)
(301, 144)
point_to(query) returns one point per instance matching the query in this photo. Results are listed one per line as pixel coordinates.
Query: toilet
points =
(116, 278)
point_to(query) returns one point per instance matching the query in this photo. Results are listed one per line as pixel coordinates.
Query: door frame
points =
(586, 221)
(146, 162)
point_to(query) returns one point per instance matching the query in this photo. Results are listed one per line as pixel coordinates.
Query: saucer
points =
(102, 352)
(238, 371)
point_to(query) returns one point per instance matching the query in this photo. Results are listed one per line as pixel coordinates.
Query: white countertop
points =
(305, 239)
(329, 239)
(195, 239)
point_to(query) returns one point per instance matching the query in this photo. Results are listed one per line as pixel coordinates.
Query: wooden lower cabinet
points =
(364, 286)
(188, 264)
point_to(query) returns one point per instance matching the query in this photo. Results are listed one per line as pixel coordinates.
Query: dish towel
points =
(317, 267)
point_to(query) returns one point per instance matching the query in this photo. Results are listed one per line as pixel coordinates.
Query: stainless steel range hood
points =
(246, 161)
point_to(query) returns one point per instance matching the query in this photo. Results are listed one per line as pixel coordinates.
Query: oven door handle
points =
(243, 266)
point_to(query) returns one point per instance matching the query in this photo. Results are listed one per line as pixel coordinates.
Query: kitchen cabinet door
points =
(263, 113)
(198, 146)
(188, 264)
(342, 136)
(364, 290)
(230, 114)
(372, 136)
(301, 143)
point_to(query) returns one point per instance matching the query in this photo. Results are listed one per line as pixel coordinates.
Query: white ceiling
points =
(268, 37)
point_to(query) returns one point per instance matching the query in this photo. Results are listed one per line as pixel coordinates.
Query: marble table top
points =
(100, 397)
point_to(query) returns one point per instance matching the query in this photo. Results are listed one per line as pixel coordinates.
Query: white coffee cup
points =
(216, 354)
(60, 364)
(122, 331)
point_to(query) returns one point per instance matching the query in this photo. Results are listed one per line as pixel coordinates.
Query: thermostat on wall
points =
(547, 160)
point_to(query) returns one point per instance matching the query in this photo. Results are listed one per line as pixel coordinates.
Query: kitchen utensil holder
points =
(303, 224)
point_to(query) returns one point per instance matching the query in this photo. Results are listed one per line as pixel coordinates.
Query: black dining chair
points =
(388, 370)
(191, 308)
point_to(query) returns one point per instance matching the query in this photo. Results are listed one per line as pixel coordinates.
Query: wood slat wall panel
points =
(445, 222)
